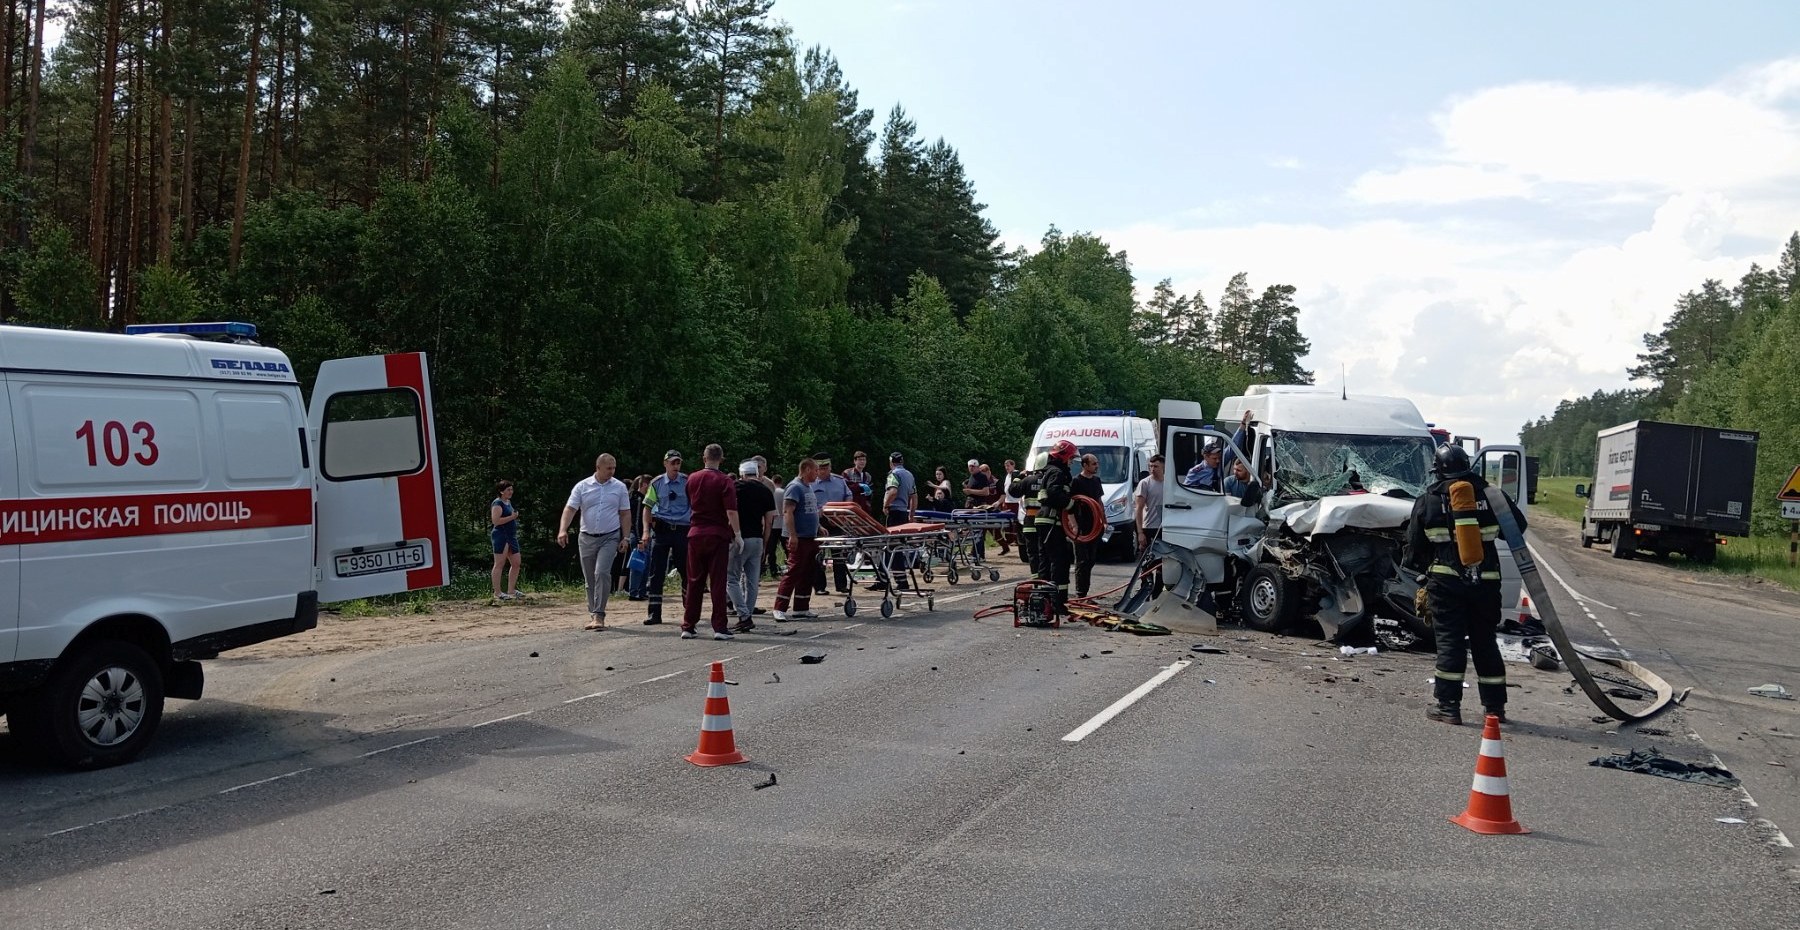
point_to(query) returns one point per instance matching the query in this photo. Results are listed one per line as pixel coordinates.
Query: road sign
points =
(1790, 510)
(1791, 490)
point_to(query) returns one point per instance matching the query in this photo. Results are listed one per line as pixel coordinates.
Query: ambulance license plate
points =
(374, 562)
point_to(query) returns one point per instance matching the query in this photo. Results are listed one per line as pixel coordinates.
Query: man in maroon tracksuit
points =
(712, 535)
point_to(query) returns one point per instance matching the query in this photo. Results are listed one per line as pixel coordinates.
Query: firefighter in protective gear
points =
(1056, 552)
(1029, 550)
(1450, 539)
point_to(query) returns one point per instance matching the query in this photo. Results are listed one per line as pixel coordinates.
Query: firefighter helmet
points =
(1063, 451)
(1450, 460)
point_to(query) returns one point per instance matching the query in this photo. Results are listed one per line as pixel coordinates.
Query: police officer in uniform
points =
(1055, 549)
(1464, 599)
(668, 512)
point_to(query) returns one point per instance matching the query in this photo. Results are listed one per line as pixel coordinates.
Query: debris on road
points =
(1625, 694)
(1359, 650)
(1544, 657)
(1651, 762)
(775, 679)
(534, 655)
(1651, 731)
(812, 657)
(1772, 691)
(765, 784)
(1209, 650)
(1731, 820)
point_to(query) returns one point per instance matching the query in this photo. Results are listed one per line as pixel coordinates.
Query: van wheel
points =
(1622, 547)
(1587, 542)
(100, 707)
(1267, 600)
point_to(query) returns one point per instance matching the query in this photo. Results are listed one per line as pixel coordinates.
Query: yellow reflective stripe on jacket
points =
(1452, 572)
(1437, 534)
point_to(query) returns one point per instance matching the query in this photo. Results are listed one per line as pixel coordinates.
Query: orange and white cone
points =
(1490, 804)
(717, 745)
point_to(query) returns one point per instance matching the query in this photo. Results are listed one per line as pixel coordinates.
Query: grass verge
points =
(465, 585)
(1764, 557)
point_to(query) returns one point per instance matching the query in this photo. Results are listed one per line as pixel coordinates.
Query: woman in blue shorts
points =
(505, 534)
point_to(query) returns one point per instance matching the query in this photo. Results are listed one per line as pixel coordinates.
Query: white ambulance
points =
(167, 495)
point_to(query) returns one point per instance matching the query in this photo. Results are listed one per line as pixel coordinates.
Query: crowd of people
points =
(722, 534)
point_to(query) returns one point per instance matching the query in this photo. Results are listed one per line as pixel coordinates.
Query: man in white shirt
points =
(604, 504)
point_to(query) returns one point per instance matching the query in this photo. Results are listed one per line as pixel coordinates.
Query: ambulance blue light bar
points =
(1096, 413)
(232, 330)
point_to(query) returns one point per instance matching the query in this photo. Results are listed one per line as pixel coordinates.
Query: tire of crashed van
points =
(47, 721)
(1267, 600)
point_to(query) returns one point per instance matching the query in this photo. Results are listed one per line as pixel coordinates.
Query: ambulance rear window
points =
(372, 434)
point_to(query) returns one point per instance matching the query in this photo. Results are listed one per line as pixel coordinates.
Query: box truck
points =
(1669, 487)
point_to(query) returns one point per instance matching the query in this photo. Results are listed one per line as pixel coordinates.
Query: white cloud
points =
(1547, 229)
(1437, 184)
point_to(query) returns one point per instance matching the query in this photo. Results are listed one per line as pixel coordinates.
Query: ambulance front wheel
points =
(100, 707)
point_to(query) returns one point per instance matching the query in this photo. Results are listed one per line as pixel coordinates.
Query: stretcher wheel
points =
(952, 574)
(925, 573)
(887, 607)
(930, 602)
(993, 574)
(849, 606)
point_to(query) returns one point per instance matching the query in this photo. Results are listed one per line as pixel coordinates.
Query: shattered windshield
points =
(1314, 465)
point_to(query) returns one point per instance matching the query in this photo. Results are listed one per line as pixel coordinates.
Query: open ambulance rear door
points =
(378, 505)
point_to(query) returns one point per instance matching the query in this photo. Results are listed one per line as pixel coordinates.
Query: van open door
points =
(378, 506)
(1503, 467)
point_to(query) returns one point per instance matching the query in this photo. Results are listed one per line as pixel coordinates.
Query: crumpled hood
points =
(1335, 513)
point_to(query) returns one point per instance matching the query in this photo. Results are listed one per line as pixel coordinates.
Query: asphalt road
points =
(923, 779)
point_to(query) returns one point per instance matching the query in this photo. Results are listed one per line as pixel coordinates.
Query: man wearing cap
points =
(667, 512)
(756, 515)
(604, 505)
(830, 488)
(713, 539)
(900, 500)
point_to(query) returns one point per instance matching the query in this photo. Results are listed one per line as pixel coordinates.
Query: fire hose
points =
(1072, 526)
(1528, 573)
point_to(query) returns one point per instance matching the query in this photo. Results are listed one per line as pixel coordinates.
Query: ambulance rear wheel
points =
(100, 707)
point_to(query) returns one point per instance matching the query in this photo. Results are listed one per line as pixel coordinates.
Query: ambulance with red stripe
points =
(166, 495)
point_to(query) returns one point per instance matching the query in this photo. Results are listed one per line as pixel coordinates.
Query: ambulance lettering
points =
(1086, 432)
(254, 368)
(74, 519)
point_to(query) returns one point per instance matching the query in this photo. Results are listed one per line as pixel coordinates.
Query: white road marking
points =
(767, 648)
(1081, 732)
(661, 677)
(587, 696)
(1559, 579)
(487, 723)
(1776, 837)
(147, 810)
(377, 752)
(264, 781)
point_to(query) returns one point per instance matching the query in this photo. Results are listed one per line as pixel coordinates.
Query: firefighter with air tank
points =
(1055, 552)
(1450, 540)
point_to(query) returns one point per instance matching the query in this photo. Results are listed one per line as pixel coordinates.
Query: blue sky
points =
(1484, 206)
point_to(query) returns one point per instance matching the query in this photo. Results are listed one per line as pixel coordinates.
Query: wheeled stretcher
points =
(898, 558)
(966, 527)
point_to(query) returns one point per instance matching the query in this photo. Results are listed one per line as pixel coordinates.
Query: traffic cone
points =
(717, 745)
(1490, 805)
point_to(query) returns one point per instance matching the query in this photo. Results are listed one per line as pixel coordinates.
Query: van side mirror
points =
(1581, 490)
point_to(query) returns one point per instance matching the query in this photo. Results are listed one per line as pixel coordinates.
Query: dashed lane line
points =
(1094, 723)
(264, 781)
(427, 739)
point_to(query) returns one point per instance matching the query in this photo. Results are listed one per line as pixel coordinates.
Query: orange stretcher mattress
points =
(847, 519)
